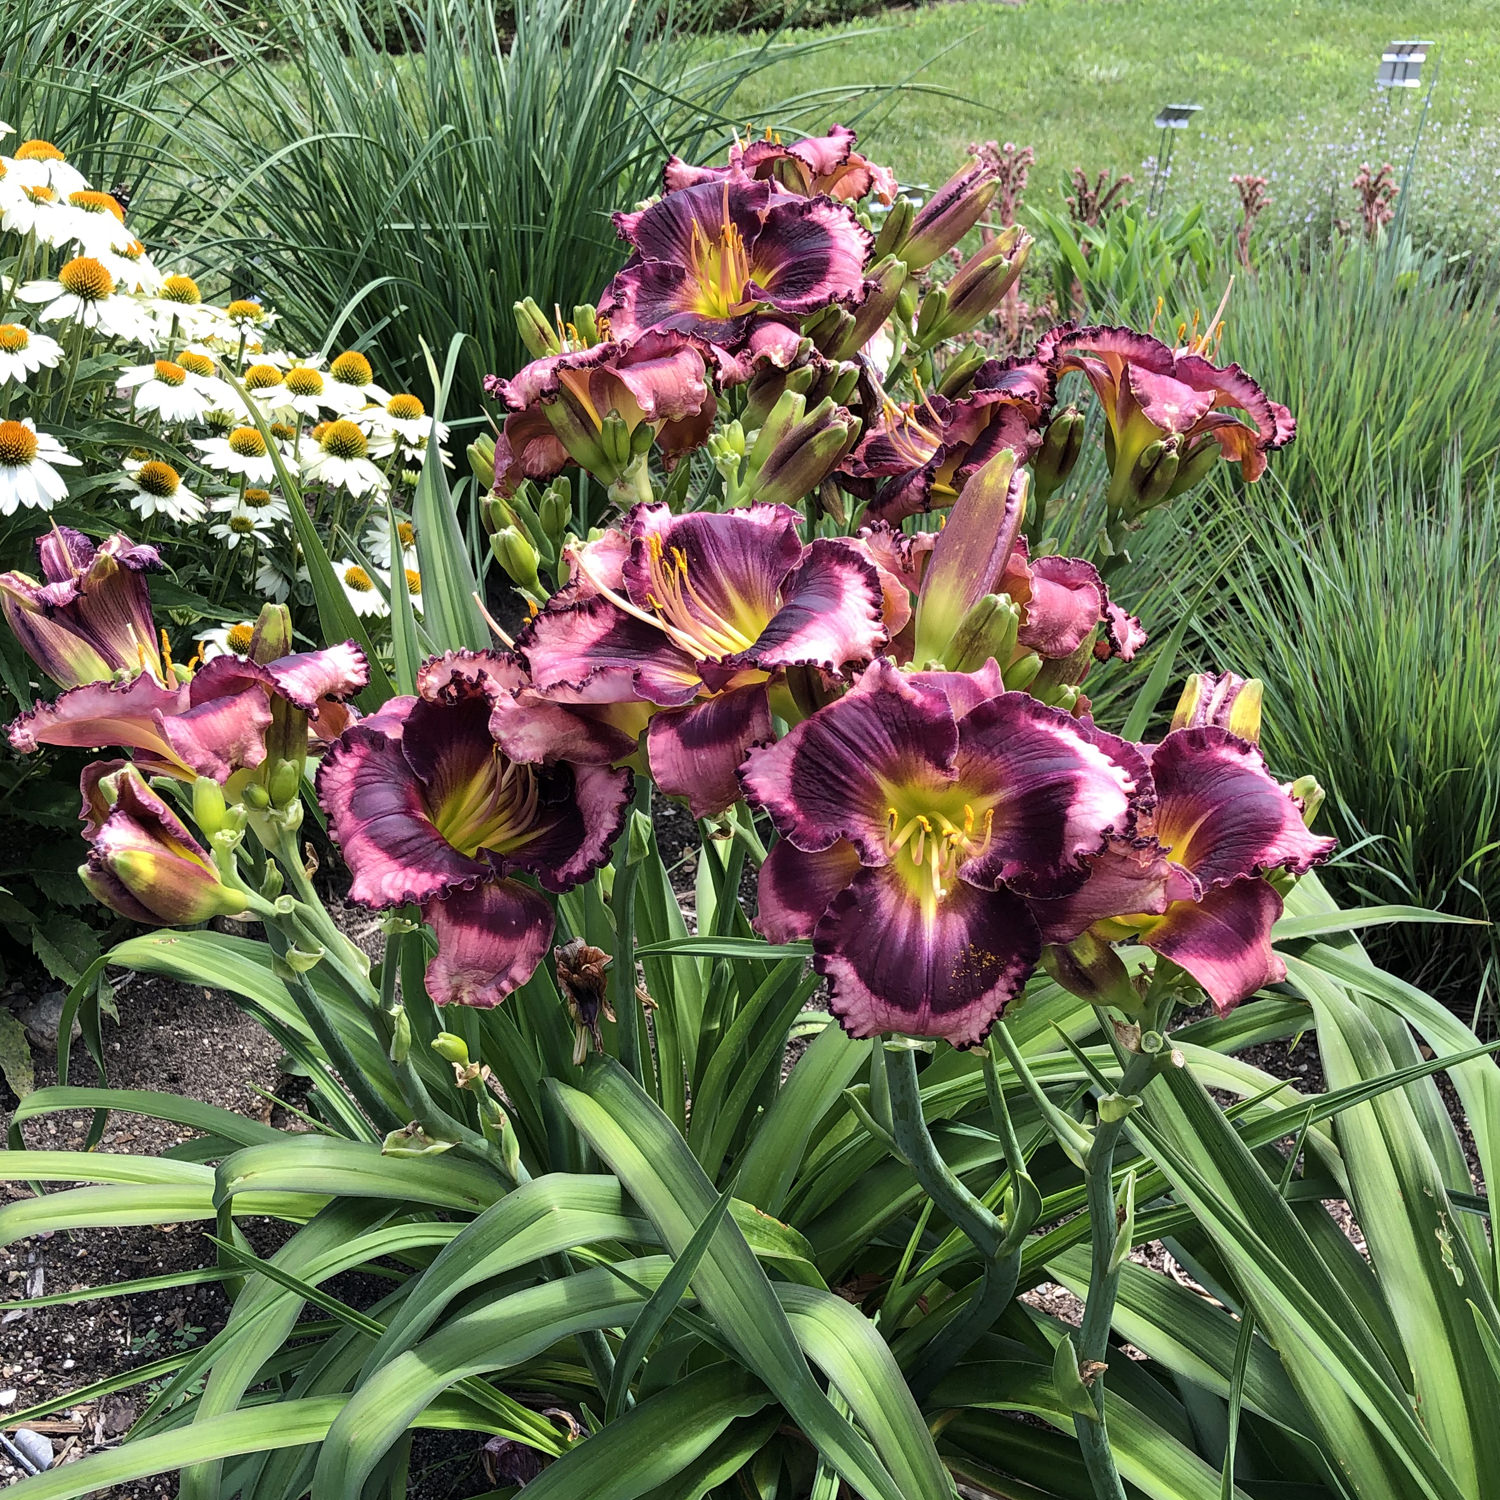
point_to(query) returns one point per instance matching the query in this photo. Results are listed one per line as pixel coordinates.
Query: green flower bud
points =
(518, 557)
(539, 336)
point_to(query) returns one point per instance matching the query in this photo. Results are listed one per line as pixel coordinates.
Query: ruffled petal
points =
(1220, 813)
(580, 814)
(1224, 940)
(592, 652)
(1167, 404)
(808, 253)
(944, 971)
(1058, 788)
(1067, 602)
(827, 778)
(832, 608)
(378, 814)
(311, 677)
(796, 886)
(696, 751)
(490, 940)
(128, 714)
(1128, 877)
(665, 230)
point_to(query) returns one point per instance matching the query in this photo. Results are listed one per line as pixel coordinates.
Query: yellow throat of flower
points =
(496, 810)
(928, 838)
(719, 267)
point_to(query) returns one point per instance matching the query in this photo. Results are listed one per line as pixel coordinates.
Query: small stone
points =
(8, 1397)
(42, 1017)
(68, 1364)
(36, 1447)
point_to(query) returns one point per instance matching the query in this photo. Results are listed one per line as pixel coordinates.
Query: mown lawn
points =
(1081, 80)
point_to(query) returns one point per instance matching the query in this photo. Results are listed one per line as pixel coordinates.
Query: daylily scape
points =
(782, 544)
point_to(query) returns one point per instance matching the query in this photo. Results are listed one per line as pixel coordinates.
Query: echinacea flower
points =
(240, 526)
(35, 210)
(98, 222)
(142, 861)
(403, 416)
(307, 391)
(714, 260)
(428, 808)
(1152, 394)
(351, 379)
(23, 353)
(214, 723)
(203, 375)
(919, 816)
(132, 268)
(919, 455)
(28, 468)
(156, 489)
(243, 451)
(826, 164)
(84, 293)
(360, 590)
(47, 163)
(163, 386)
(1191, 885)
(341, 458)
(559, 405)
(227, 640)
(253, 501)
(696, 614)
(378, 541)
(89, 617)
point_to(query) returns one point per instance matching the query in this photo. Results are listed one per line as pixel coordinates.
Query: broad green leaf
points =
(192, 1113)
(15, 1056)
(1320, 924)
(406, 653)
(654, 1163)
(120, 1204)
(726, 947)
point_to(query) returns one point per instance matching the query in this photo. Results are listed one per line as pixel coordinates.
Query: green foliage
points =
(385, 197)
(1374, 629)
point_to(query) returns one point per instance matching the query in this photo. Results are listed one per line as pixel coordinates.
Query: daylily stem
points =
(1104, 1282)
(1002, 1262)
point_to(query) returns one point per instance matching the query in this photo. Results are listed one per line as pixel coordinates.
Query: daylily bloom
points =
(428, 808)
(919, 456)
(716, 260)
(212, 724)
(919, 815)
(697, 614)
(90, 616)
(1190, 886)
(559, 405)
(826, 164)
(142, 861)
(1152, 395)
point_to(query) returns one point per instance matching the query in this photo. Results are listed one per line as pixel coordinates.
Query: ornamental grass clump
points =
(821, 606)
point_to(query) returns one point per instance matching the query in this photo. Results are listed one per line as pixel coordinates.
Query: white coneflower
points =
(360, 588)
(245, 313)
(271, 580)
(352, 380)
(403, 417)
(163, 386)
(28, 474)
(203, 375)
(43, 162)
(236, 529)
(156, 489)
(23, 353)
(265, 389)
(413, 587)
(34, 209)
(132, 268)
(342, 458)
(84, 293)
(244, 452)
(227, 640)
(378, 539)
(255, 502)
(307, 392)
(98, 222)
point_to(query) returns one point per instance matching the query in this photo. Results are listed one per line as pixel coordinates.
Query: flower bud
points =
(1195, 467)
(930, 315)
(988, 630)
(285, 783)
(209, 810)
(1221, 699)
(518, 557)
(893, 232)
(144, 864)
(829, 328)
(960, 372)
(615, 444)
(256, 797)
(495, 511)
(451, 1048)
(578, 432)
(1061, 444)
(949, 214)
(1093, 971)
(556, 509)
(272, 637)
(586, 323)
(802, 453)
(1310, 794)
(1152, 475)
(539, 336)
(481, 453)
(882, 291)
(980, 285)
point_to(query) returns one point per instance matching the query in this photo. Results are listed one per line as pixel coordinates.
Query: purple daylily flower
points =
(827, 165)
(700, 615)
(89, 617)
(428, 808)
(214, 723)
(1191, 884)
(558, 404)
(919, 816)
(919, 456)
(142, 861)
(721, 261)
(1152, 393)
